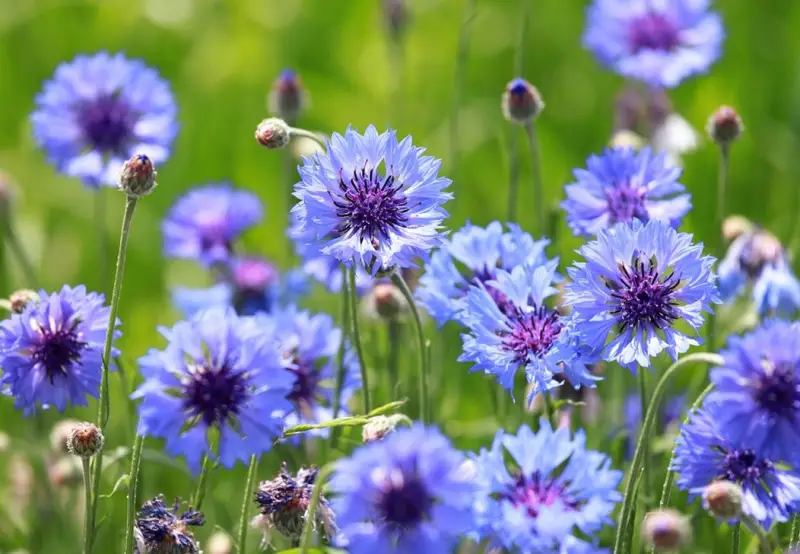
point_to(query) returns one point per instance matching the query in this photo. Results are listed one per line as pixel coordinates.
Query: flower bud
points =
(389, 301)
(723, 499)
(21, 298)
(725, 126)
(65, 471)
(736, 225)
(273, 133)
(377, 428)
(522, 103)
(138, 176)
(60, 433)
(666, 530)
(287, 98)
(395, 13)
(85, 440)
(219, 543)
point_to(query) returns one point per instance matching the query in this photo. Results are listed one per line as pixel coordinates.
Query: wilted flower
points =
(99, 110)
(161, 530)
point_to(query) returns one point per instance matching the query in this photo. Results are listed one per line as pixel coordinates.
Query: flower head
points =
(204, 223)
(705, 453)
(287, 97)
(221, 372)
(405, 494)
(521, 331)
(98, 111)
(623, 185)
(372, 199)
(521, 102)
(638, 280)
(473, 255)
(163, 530)
(725, 126)
(51, 353)
(138, 176)
(273, 133)
(85, 440)
(757, 390)
(555, 489)
(660, 43)
(250, 286)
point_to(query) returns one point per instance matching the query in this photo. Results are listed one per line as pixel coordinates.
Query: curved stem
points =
(297, 132)
(87, 510)
(355, 336)
(311, 513)
(629, 499)
(536, 169)
(397, 279)
(241, 543)
(19, 252)
(763, 540)
(200, 491)
(133, 482)
(736, 538)
(103, 404)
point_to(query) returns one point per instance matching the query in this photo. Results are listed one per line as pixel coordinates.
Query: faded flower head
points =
(371, 200)
(85, 440)
(638, 281)
(273, 133)
(204, 223)
(522, 102)
(659, 43)
(287, 99)
(51, 352)
(97, 111)
(666, 530)
(623, 185)
(218, 372)
(725, 126)
(166, 530)
(138, 176)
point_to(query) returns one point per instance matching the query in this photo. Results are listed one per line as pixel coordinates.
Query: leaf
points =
(124, 479)
(558, 404)
(390, 407)
(347, 421)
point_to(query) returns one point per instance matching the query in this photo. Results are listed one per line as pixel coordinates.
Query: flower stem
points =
(297, 132)
(241, 543)
(549, 411)
(19, 251)
(311, 513)
(763, 540)
(629, 499)
(793, 530)
(102, 236)
(393, 332)
(103, 404)
(536, 169)
(355, 336)
(133, 482)
(87, 494)
(719, 252)
(737, 529)
(458, 87)
(397, 279)
(200, 491)
(340, 366)
(513, 138)
(645, 438)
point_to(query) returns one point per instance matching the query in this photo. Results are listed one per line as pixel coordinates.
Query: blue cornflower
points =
(758, 259)
(51, 353)
(557, 488)
(520, 331)
(100, 110)
(161, 529)
(353, 209)
(472, 255)
(204, 223)
(672, 411)
(622, 185)
(251, 285)
(659, 43)
(704, 453)
(408, 493)
(221, 372)
(757, 390)
(309, 345)
(638, 280)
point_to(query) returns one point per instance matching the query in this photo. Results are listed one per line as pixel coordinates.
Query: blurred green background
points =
(221, 58)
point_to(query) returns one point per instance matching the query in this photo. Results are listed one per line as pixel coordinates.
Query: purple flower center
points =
(644, 298)
(251, 278)
(532, 333)
(57, 350)
(743, 466)
(372, 206)
(626, 203)
(107, 123)
(404, 500)
(778, 390)
(535, 491)
(305, 389)
(653, 31)
(214, 394)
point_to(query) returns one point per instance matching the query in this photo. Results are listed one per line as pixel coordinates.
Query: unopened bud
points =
(395, 13)
(273, 133)
(377, 428)
(138, 176)
(287, 98)
(723, 499)
(60, 433)
(736, 225)
(522, 103)
(219, 543)
(666, 530)
(725, 126)
(21, 298)
(389, 301)
(85, 440)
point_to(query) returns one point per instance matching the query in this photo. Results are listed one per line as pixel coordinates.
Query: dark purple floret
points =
(744, 467)
(57, 350)
(306, 384)
(213, 394)
(372, 207)
(533, 332)
(626, 203)
(285, 492)
(653, 31)
(161, 527)
(534, 491)
(405, 503)
(778, 391)
(107, 123)
(645, 298)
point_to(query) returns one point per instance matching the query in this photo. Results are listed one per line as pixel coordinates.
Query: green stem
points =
(397, 279)
(458, 88)
(536, 169)
(645, 437)
(355, 336)
(200, 491)
(103, 404)
(19, 251)
(87, 495)
(297, 132)
(340, 365)
(311, 513)
(793, 531)
(763, 540)
(549, 411)
(393, 332)
(513, 174)
(133, 482)
(719, 218)
(246, 501)
(629, 499)
(102, 236)
(736, 539)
